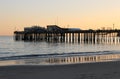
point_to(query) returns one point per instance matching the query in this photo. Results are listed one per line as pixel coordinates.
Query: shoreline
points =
(104, 70)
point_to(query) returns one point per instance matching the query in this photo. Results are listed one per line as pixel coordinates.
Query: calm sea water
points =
(9, 47)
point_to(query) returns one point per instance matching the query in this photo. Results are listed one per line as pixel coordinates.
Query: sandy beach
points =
(109, 70)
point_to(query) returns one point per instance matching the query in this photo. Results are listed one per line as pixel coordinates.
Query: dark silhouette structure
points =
(54, 33)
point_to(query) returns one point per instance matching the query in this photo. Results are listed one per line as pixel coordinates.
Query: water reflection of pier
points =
(72, 59)
(84, 59)
(62, 59)
(56, 34)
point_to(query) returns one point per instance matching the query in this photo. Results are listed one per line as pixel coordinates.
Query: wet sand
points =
(109, 70)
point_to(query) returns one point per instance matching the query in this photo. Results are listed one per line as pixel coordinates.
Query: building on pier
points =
(54, 28)
(34, 29)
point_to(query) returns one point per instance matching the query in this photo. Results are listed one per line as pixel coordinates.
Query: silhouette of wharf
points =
(54, 33)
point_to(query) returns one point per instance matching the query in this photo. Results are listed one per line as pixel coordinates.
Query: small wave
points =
(57, 55)
(5, 52)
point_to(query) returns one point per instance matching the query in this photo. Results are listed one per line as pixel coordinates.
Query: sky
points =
(83, 14)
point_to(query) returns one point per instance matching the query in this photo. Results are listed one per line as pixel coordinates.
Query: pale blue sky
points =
(84, 14)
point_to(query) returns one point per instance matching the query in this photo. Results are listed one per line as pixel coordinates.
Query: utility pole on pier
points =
(113, 26)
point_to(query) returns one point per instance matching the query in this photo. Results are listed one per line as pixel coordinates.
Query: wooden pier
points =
(54, 33)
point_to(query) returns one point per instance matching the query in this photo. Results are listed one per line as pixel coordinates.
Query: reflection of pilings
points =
(63, 59)
(83, 59)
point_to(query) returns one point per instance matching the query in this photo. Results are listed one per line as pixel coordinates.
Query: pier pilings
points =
(82, 36)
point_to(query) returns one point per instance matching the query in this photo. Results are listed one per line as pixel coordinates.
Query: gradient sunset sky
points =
(84, 14)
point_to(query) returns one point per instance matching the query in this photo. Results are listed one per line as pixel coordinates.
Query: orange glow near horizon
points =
(88, 24)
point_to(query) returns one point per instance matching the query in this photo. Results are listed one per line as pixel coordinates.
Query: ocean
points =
(31, 68)
(10, 47)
